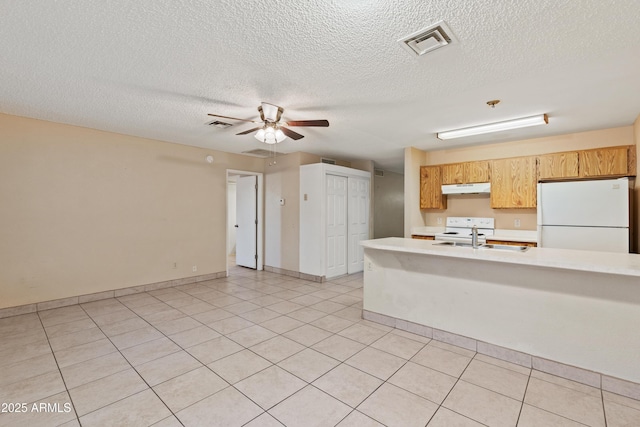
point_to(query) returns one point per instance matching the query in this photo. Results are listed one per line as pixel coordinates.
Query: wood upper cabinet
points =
(465, 173)
(513, 183)
(604, 162)
(431, 188)
(476, 172)
(453, 173)
(558, 165)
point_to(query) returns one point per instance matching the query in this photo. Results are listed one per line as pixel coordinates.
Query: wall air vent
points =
(428, 39)
(260, 152)
(219, 124)
(378, 172)
(328, 161)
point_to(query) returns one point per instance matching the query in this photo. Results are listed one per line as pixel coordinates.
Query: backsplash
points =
(477, 205)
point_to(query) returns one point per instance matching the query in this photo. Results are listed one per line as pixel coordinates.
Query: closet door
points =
(358, 222)
(336, 225)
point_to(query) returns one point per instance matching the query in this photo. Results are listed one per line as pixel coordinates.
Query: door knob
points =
(236, 226)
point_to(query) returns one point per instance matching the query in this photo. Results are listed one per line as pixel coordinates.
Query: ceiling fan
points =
(272, 131)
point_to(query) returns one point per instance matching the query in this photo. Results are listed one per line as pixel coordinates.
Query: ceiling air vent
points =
(378, 172)
(328, 161)
(260, 152)
(219, 124)
(428, 39)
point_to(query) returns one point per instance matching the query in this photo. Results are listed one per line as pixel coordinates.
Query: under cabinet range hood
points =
(479, 188)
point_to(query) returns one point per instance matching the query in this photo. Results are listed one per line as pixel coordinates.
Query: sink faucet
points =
(474, 237)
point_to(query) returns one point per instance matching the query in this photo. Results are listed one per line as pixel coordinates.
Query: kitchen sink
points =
(512, 248)
(468, 245)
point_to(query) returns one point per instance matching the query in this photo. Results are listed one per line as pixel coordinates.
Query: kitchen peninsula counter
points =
(588, 261)
(573, 311)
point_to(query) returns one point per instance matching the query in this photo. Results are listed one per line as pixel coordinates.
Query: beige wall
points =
(282, 180)
(388, 206)
(86, 211)
(473, 205)
(413, 216)
(282, 232)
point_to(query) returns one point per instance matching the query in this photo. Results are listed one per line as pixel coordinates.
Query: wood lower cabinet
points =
(419, 237)
(431, 188)
(604, 162)
(465, 173)
(558, 165)
(510, 243)
(513, 183)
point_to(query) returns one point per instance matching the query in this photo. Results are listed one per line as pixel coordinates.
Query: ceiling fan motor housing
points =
(270, 113)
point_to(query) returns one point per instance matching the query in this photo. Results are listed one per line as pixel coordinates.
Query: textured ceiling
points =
(155, 69)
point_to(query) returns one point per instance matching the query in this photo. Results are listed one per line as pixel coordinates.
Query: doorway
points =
(245, 216)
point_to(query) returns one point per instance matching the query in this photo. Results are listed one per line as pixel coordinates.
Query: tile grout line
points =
(291, 373)
(523, 398)
(132, 367)
(441, 404)
(206, 365)
(325, 314)
(75, 411)
(604, 409)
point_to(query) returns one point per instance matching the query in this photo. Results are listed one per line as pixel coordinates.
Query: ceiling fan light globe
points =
(280, 136)
(260, 135)
(270, 135)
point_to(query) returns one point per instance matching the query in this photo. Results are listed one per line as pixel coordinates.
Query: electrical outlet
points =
(439, 220)
(369, 266)
(516, 223)
(194, 268)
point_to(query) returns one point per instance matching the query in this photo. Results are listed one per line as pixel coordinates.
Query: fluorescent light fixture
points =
(523, 122)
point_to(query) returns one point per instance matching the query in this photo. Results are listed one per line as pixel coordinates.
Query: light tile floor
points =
(261, 349)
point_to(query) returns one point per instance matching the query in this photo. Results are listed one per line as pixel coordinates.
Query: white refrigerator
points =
(588, 215)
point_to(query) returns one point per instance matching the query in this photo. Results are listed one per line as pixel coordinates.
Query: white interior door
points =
(246, 221)
(358, 222)
(336, 225)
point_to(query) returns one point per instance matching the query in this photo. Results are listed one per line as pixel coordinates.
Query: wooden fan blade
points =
(249, 131)
(319, 123)
(233, 118)
(291, 134)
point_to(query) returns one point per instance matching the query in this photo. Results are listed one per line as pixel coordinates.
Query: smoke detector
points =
(428, 39)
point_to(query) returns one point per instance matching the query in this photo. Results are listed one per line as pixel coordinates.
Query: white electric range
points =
(459, 229)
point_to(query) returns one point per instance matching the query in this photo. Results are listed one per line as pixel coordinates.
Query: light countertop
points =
(590, 261)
